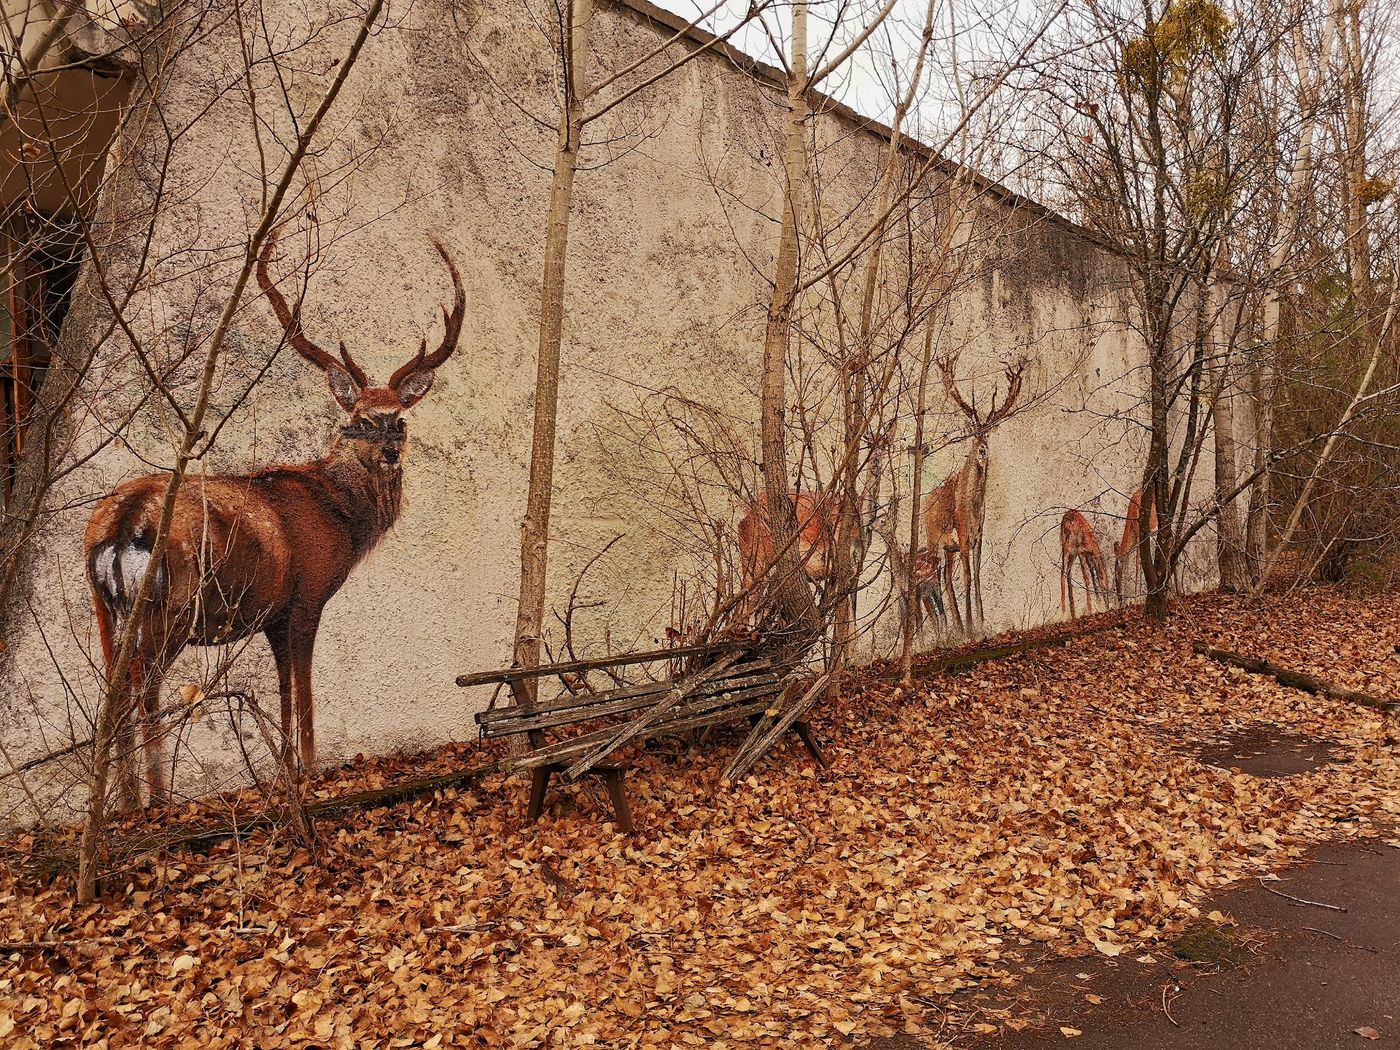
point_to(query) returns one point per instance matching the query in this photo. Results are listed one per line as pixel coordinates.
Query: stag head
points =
(376, 412)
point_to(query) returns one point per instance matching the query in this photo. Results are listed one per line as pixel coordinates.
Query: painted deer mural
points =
(258, 552)
(1129, 547)
(1079, 543)
(924, 575)
(818, 519)
(816, 531)
(955, 512)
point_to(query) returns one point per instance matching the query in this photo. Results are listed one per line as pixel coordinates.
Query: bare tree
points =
(1151, 156)
(588, 88)
(1362, 133)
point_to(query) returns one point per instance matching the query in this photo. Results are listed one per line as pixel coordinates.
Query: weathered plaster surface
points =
(666, 290)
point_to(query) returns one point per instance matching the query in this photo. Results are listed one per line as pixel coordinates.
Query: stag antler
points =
(1015, 370)
(452, 328)
(291, 322)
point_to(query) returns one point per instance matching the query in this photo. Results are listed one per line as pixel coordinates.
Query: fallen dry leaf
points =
(1367, 1032)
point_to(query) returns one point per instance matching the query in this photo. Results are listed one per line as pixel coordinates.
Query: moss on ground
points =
(1212, 945)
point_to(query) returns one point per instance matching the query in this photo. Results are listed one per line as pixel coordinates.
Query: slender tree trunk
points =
(788, 590)
(855, 410)
(534, 530)
(1229, 540)
(1264, 374)
(1234, 574)
(1152, 546)
(911, 595)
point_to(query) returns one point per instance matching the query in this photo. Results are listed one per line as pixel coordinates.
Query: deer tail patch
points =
(116, 567)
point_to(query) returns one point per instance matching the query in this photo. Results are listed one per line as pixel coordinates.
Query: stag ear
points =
(414, 386)
(343, 387)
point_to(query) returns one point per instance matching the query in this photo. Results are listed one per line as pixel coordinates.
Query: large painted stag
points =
(259, 552)
(955, 512)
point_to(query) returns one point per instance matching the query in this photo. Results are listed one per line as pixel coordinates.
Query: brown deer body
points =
(816, 531)
(950, 528)
(260, 552)
(1130, 546)
(819, 517)
(1078, 542)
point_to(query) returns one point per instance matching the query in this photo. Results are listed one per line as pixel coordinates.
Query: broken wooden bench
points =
(723, 683)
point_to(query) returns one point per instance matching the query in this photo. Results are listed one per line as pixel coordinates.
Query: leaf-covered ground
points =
(1047, 802)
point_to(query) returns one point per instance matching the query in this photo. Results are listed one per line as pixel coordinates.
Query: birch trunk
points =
(1234, 576)
(1264, 378)
(534, 529)
(788, 591)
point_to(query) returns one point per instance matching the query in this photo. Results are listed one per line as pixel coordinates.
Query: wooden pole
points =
(1296, 679)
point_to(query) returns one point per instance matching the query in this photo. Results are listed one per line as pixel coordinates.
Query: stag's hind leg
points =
(145, 702)
(128, 787)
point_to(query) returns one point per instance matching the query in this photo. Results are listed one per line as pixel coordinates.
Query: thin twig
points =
(1300, 900)
(465, 927)
(1166, 1007)
(1343, 940)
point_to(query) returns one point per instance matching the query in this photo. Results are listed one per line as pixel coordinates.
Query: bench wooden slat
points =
(608, 704)
(517, 674)
(576, 707)
(566, 750)
(681, 693)
(718, 707)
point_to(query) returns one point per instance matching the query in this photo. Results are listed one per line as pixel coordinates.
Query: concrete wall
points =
(671, 242)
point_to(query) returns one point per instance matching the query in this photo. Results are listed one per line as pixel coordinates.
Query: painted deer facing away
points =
(818, 518)
(1078, 542)
(257, 552)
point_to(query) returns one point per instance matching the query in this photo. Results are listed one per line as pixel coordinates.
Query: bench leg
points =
(539, 784)
(613, 779)
(804, 730)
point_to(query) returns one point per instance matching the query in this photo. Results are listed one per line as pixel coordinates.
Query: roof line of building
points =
(772, 77)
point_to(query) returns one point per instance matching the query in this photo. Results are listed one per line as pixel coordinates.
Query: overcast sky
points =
(978, 37)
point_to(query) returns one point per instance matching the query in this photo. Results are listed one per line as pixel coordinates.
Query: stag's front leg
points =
(967, 582)
(281, 647)
(950, 590)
